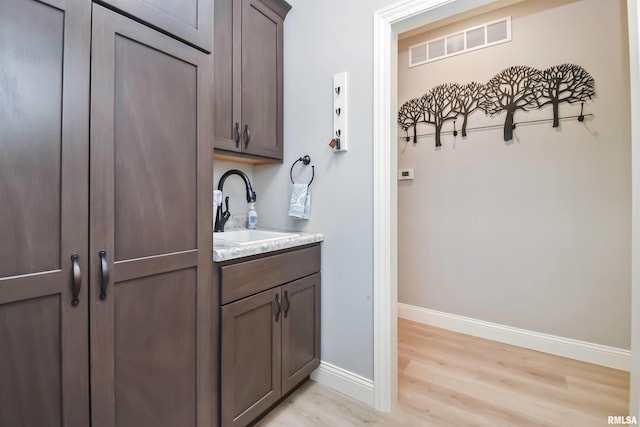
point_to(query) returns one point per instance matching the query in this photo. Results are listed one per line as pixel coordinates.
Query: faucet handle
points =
(226, 214)
(222, 217)
(226, 205)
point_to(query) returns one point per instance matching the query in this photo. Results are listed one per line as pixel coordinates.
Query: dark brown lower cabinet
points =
(270, 342)
(300, 330)
(250, 374)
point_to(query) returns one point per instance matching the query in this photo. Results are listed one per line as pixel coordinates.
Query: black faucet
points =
(222, 218)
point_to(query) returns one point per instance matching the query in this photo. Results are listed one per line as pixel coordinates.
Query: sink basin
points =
(250, 237)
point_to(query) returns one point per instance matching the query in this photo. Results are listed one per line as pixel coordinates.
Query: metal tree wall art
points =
(510, 90)
(515, 88)
(469, 98)
(565, 83)
(441, 105)
(410, 114)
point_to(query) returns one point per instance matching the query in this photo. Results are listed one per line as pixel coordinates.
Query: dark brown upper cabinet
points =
(248, 82)
(187, 20)
(150, 227)
(44, 106)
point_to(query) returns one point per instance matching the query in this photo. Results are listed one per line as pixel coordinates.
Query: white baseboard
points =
(346, 382)
(579, 350)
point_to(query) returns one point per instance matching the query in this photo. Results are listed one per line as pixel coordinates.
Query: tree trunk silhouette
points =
(514, 88)
(438, 130)
(508, 126)
(415, 133)
(556, 121)
(464, 125)
(567, 83)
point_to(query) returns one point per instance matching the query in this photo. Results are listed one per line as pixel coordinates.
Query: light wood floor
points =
(452, 379)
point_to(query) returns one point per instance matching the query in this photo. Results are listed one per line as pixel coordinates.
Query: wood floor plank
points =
(448, 379)
(614, 395)
(481, 398)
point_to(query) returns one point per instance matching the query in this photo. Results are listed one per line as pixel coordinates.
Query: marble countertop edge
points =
(225, 252)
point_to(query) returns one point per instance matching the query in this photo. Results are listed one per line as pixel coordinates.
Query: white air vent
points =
(476, 38)
(436, 49)
(455, 43)
(419, 53)
(497, 31)
(485, 35)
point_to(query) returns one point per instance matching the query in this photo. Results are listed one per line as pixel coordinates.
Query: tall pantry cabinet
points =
(105, 226)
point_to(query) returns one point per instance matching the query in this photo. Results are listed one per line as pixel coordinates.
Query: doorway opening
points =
(390, 22)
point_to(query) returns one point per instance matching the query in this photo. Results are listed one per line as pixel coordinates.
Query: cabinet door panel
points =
(261, 79)
(151, 347)
(300, 330)
(155, 151)
(188, 20)
(31, 362)
(44, 92)
(155, 350)
(30, 164)
(250, 358)
(227, 75)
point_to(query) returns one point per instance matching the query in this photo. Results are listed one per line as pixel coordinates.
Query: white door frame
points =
(388, 23)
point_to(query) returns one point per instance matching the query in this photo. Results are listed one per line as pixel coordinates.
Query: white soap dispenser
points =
(252, 216)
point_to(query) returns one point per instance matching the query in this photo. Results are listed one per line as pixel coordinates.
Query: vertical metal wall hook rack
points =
(339, 141)
(305, 160)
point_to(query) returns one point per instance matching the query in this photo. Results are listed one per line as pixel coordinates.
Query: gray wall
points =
(323, 38)
(535, 233)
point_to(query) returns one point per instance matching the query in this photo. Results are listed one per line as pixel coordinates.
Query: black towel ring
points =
(305, 160)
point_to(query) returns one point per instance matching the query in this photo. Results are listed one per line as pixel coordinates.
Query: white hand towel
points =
(300, 203)
(307, 204)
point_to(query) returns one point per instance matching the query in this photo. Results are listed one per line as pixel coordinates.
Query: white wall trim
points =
(383, 369)
(633, 16)
(598, 354)
(346, 382)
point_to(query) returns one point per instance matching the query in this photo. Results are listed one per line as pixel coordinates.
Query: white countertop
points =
(225, 252)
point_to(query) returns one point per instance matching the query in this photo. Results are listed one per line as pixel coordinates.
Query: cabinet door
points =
(227, 75)
(250, 357)
(151, 227)
(44, 105)
(262, 90)
(300, 330)
(188, 20)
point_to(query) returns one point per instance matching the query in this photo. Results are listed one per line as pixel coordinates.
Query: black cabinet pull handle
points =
(237, 134)
(278, 309)
(248, 136)
(104, 275)
(77, 280)
(286, 303)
